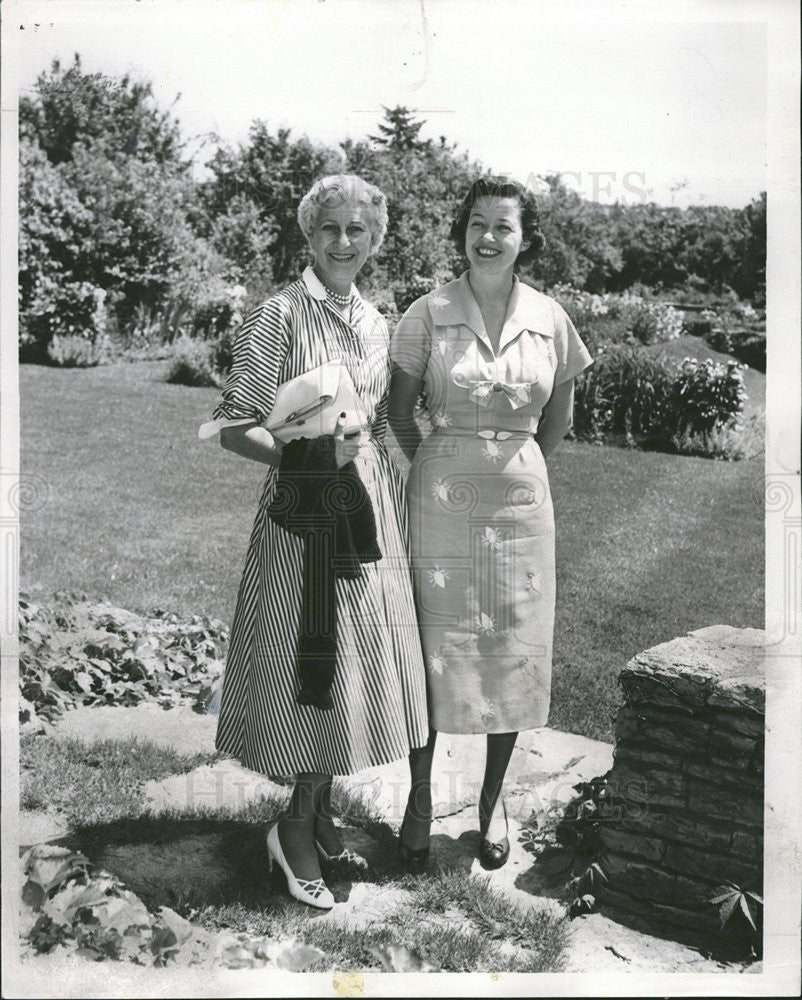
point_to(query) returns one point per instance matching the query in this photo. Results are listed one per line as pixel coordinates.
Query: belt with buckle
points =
(487, 433)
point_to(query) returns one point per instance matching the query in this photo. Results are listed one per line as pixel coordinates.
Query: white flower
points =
(442, 345)
(439, 300)
(438, 577)
(534, 582)
(441, 420)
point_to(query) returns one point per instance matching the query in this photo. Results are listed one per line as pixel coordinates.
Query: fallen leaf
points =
(398, 958)
(298, 957)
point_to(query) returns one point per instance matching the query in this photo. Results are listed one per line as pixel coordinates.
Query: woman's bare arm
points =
(254, 442)
(557, 418)
(404, 392)
(251, 441)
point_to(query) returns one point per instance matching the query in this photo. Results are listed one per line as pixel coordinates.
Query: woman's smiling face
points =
(341, 241)
(493, 237)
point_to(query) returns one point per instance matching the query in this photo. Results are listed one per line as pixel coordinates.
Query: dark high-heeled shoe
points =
(413, 860)
(494, 855)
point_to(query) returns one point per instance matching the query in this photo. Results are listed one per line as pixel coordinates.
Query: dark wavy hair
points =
(502, 187)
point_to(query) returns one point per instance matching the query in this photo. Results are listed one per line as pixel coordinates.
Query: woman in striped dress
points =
(379, 690)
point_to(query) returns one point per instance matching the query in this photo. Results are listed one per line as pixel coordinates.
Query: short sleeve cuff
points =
(411, 343)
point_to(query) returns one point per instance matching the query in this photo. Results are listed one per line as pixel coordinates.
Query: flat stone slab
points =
(545, 765)
(224, 784)
(37, 827)
(601, 945)
(182, 729)
(719, 666)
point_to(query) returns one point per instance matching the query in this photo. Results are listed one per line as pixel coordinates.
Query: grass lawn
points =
(97, 783)
(132, 507)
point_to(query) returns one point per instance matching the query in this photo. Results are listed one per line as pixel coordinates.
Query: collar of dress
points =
(528, 311)
(317, 290)
(315, 286)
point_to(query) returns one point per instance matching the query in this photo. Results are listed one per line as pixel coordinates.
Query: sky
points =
(628, 101)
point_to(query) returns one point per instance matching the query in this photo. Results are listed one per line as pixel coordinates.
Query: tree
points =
(271, 172)
(106, 206)
(56, 295)
(651, 239)
(750, 274)
(580, 246)
(423, 185)
(70, 107)
(399, 131)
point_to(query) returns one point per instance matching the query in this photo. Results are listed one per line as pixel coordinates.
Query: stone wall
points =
(686, 813)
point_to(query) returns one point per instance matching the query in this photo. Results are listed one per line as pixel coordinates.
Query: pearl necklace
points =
(336, 298)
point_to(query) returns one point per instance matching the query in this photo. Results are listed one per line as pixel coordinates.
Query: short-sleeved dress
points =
(379, 688)
(481, 517)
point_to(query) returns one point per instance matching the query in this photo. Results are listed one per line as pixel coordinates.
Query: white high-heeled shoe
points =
(346, 855)
(313, 892)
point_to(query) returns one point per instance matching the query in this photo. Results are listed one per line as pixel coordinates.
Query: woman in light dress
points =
(496, 360)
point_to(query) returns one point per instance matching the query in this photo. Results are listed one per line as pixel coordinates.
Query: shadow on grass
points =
(190, 862)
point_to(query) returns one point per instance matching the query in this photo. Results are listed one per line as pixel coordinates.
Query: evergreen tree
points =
(399, 130)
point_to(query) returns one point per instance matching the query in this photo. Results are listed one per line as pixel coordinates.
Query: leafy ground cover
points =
(75, 652)
(123, 502)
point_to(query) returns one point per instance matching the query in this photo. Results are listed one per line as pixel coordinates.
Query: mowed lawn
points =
(131, 507)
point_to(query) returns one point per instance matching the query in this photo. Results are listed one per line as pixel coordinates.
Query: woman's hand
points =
(346, 448)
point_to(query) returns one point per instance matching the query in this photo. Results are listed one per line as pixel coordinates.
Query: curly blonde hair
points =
(336, 189)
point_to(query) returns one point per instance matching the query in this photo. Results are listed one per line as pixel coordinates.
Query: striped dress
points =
(379, 688)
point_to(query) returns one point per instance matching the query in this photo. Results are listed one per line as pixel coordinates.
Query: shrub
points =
(220, 311)
(684, 407)
(223, 353)
(731, 443)
(626, 392)
(194, 363)
(646, 320)
(701, 324)
(737, 329)
(624, 318)
(655, 322)
(581, 305)
(707, 395)
(405, 293)
(749, 347)
(78, 352)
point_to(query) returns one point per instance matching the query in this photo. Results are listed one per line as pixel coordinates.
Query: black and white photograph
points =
(400, 498)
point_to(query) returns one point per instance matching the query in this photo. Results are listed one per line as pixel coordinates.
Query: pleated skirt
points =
(379, 689)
